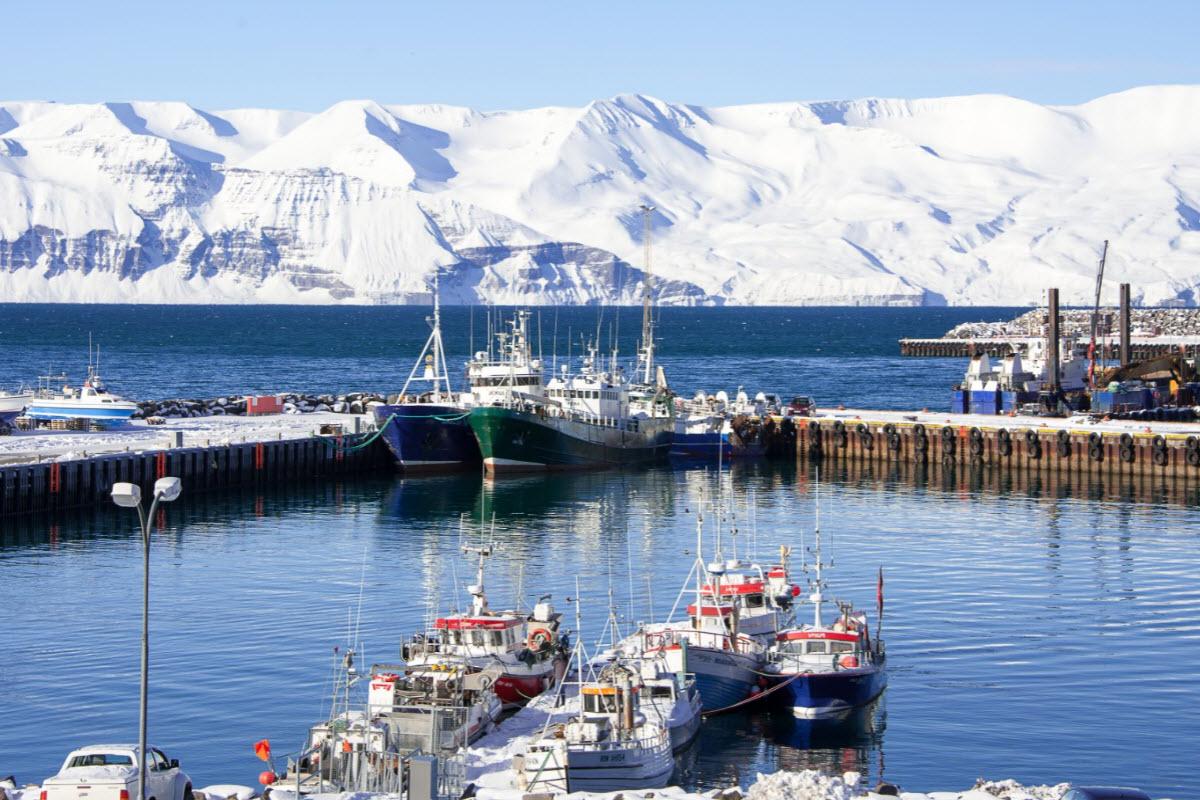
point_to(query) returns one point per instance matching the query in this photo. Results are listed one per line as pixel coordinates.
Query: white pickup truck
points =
(109, 772)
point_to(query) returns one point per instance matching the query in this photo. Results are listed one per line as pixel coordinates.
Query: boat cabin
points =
(470, 635)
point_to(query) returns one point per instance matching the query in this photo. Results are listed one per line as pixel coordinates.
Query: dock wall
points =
(54, 485)
(994, 348)
(1082, 454)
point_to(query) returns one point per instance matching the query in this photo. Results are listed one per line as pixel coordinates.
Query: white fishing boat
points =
(616, 741)
(737, 609)
(11, 405)
(530, 651)
(56, 399)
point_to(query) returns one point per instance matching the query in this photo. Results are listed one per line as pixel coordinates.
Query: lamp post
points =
(129, 495)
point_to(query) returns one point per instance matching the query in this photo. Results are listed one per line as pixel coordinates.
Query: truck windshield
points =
(102, 760)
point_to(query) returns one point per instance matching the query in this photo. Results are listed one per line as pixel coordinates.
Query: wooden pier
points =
(1168, 453)
(76, 483)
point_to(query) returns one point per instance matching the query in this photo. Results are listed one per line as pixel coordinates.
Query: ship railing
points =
(714, 640)
(318, 769)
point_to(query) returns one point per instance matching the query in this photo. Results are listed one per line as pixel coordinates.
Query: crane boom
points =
(1096, 319)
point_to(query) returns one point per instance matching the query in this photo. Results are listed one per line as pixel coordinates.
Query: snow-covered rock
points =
(978, 199)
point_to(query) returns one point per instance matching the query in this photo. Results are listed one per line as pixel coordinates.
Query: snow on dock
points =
(24, 447)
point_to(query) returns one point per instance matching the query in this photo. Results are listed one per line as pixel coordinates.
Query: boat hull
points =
(823, 693)
(428, 437)
(708, 446)
(53, 409)
(723, 678)
(512, 440)
(601, 770)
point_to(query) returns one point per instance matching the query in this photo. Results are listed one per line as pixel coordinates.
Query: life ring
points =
(539, 638)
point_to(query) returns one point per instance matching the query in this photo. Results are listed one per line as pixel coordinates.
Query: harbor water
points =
(1038, 635)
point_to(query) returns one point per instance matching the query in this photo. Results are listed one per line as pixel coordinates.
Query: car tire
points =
(187, 793)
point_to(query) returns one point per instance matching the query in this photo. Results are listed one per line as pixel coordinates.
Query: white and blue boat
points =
(732, 621)
(823, 669)
(56, 399)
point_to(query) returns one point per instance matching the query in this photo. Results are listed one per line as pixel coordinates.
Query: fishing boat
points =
(437, 707)
(736, 612)
(436, 710)
(595, 419)
(820, 669)
(711, 426)
(55, 399)
(11, 406)
(428, 431)
(617, 740)
(529, 652)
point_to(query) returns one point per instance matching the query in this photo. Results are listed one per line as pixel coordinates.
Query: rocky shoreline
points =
(235, 405)
(1078, 322)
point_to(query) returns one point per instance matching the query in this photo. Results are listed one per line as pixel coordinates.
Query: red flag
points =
(263, 749)
(879, 592)
(346, 745)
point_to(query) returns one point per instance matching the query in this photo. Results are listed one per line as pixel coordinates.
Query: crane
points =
(1096, 320)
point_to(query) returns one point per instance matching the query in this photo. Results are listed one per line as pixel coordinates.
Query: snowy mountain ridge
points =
(963, 200)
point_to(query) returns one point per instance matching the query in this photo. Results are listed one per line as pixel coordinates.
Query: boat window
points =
(817, 647)
(660, 691)
(842, 647)
(755, 601)
(497, 637)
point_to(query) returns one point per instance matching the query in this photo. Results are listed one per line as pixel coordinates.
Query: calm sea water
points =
(1032, 634)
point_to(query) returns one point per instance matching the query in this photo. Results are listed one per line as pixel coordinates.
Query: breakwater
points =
(1140, 348)
(75, 483)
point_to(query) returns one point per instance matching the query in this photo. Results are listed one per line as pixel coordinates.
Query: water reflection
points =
(734, 748)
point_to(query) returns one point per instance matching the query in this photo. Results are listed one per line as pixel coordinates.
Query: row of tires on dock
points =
(946, 439)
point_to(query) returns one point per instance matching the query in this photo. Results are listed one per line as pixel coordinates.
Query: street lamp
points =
(129, 495)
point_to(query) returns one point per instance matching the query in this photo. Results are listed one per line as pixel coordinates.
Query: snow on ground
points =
(935, 419)
(137, 436)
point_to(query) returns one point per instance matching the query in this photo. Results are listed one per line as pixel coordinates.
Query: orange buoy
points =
(266, 777)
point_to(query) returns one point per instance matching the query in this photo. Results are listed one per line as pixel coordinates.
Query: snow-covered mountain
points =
(962, 200)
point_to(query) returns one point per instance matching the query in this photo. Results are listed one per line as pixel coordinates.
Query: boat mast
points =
(478, 600)
(432, 361)
(647, 354)
(818, 584)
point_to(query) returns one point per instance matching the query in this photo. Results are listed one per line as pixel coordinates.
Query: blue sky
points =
(499, 55)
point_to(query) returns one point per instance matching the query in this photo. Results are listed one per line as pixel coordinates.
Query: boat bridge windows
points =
(508, 380)
(814, 647)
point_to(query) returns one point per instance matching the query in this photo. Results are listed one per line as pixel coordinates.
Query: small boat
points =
(616, 741)
(56, 400)
(821, 669)
(529, 652)
(11, 406)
